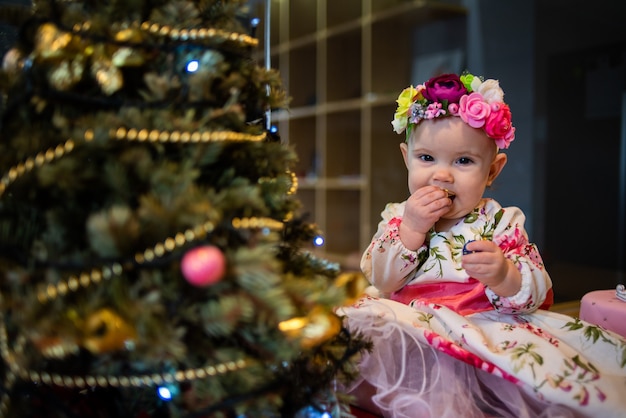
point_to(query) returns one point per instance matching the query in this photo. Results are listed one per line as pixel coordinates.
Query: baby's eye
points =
(426, 157)
(464, 160)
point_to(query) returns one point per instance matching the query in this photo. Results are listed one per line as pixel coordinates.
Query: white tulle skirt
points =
(410, 374)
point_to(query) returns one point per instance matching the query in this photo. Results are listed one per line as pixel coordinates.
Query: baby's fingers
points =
(477, 246)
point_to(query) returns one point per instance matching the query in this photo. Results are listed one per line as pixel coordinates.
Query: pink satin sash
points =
(463, 298)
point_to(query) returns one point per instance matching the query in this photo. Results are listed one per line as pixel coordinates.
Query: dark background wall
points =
(562, 64)
(7, 32)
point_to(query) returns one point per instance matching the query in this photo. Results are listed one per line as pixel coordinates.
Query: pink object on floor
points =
(603, 308)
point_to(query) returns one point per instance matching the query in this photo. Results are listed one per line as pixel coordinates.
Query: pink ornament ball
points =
(203, 266)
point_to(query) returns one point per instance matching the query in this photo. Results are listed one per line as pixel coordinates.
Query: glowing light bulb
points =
(255, 21)
(318, 241)
(193, 66)
(164, 393)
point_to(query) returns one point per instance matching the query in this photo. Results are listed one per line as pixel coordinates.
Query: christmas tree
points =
(153, 259)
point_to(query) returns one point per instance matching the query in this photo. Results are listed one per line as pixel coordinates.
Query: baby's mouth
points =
(451, 195)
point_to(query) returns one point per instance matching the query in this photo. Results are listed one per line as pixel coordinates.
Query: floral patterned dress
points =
(445, 345)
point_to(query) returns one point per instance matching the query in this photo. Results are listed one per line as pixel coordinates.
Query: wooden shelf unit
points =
(343, 63)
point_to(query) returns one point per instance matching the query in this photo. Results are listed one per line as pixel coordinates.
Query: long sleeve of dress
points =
(387, 263)
(512, 239)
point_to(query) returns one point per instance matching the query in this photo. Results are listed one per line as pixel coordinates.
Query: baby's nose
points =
(443, 174)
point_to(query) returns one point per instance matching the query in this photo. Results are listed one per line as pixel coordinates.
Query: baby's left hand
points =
(486, 262)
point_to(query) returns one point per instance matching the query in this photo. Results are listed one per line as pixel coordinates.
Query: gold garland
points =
(39, 160)
(155, 135)
(257, 223)
(294, 182)
(122, 133)
(174, 34)
(145, 380)
(85, 279)
(201, 34)
(293, 188)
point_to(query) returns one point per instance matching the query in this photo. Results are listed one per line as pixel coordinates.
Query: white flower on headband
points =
(489, 89)
(478, 103)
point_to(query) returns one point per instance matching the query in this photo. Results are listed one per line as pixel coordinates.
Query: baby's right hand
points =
(423, 208)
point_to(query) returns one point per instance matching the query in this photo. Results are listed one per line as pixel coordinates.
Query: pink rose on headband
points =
(446, 87)
(474, 110)
(498, 125)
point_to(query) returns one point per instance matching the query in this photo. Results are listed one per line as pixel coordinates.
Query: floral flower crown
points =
(478, 102)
